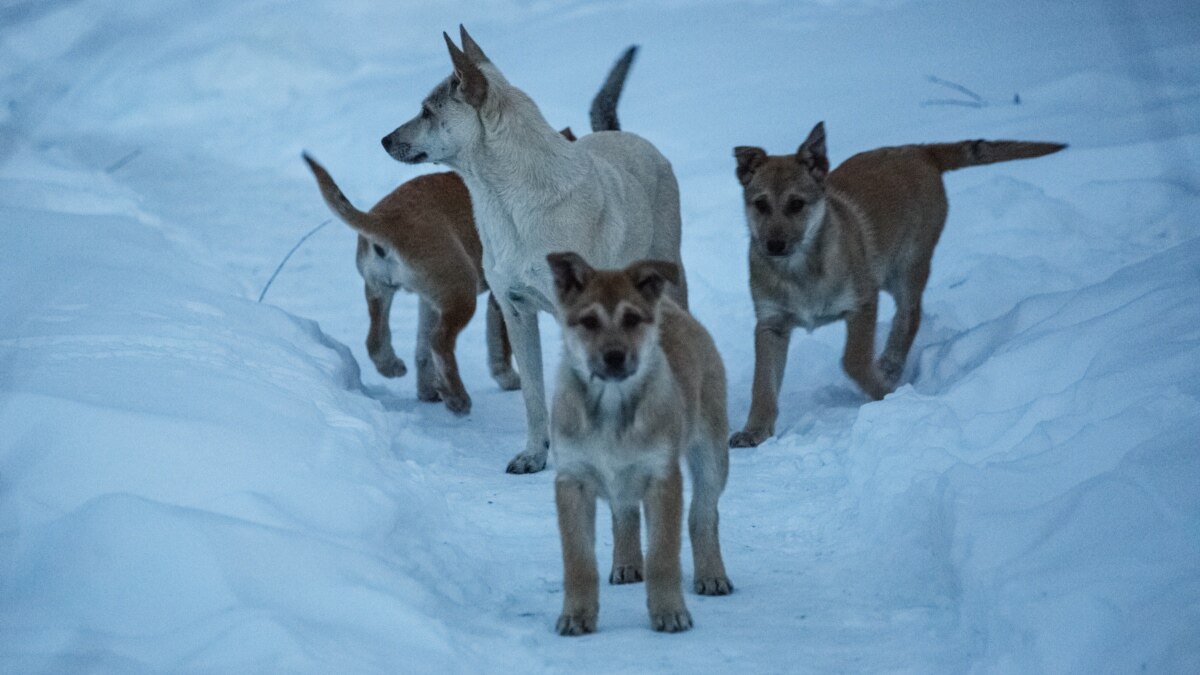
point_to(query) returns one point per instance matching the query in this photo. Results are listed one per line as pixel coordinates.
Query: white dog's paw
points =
(576, 623)
(625, 574)
(675, 620)
(508, 380)
(714, 586)
(527, 462)
(748, 438)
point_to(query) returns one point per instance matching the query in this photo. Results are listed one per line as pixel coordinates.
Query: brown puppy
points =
(640, 385)
(422, 238)
(822, 246)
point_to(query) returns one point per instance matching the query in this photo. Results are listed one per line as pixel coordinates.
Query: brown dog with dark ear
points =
(639, 385)
(822, 246)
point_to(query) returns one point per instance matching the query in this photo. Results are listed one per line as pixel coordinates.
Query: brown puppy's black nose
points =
(614, 359)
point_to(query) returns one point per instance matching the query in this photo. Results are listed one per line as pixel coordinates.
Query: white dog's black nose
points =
(387, 143)
(776, 246)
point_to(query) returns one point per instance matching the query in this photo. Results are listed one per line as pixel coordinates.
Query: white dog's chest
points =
(386, 270)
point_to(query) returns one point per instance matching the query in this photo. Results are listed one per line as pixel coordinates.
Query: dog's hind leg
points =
(627, 544)
(427, 379)
(907, 321)
(708, 462)
(858, 359)
(499, 348)
(379, 335)
(527, 347)
(443, 338)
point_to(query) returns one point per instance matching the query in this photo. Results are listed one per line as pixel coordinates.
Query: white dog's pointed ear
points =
(748, 160)
(571, 274)
(467, 75)
(812, 153)
(650, 277)
(471, 47)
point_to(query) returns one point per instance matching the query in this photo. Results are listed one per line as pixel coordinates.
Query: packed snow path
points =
(190, 481)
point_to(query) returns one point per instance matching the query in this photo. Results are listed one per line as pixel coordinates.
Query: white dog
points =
(610, 196)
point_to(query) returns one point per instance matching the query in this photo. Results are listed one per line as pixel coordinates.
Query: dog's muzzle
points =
(402, 152)
(614, 366)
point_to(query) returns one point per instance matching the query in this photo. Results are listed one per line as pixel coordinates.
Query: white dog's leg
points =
(527, 347)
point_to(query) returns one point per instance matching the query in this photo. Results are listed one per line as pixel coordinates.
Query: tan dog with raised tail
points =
(822, 246)
(640, 385)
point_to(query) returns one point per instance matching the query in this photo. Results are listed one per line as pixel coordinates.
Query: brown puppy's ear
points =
(467, 75)
(748, 161)
(812, 153)
(651, 276)
(568, 134)
(471, 48)
(571, 274)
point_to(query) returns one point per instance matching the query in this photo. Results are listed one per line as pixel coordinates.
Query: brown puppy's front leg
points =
(627, 544)
(664, 586)
(904, 326)
(379, 335)
(904, 329)
(859, 358)
(581, 582)
(770, 358)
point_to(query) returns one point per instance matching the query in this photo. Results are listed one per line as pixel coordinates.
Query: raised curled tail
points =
(950, 156)
(604, 106)
(364, 223)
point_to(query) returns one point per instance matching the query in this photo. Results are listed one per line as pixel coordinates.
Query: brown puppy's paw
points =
(671, 620)
(459, 404)
(428, 394)
(578, 623)
(714, 586)
(625, 574)
(890, 371)
(747, 438)
(393, 367)
(508, 380)
(527, 462)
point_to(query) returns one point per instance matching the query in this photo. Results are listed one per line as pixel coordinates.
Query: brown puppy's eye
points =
(795, 205)
(589, 322)
(763, 206)
(631, 320)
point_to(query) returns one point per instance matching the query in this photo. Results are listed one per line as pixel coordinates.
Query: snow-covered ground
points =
(192, 481)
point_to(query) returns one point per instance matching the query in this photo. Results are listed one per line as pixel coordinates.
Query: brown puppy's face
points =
(609, 317)
(784, 194)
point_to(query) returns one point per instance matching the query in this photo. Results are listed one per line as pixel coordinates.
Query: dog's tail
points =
(951, 156)
(604, 106)
(362, 222)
